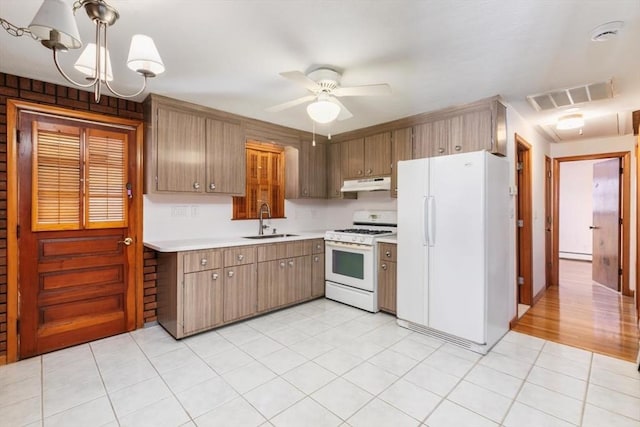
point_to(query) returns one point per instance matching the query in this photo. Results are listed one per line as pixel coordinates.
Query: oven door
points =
(350, 264)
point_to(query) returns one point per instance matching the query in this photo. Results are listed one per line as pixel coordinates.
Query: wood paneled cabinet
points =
(366, 157)
(401, 149)
(202, 295)
(387, 272)
(479, 127)
(306, 171)
(334, 173)
(317, 268)
(240, 292)
(188, 151)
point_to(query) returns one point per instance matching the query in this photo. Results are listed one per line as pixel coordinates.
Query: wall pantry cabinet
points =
(189, 151)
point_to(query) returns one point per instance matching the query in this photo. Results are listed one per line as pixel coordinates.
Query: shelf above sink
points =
(269, 236)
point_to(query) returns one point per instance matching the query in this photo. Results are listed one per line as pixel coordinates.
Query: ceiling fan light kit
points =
(570, 121)
(55, 27)
(323, 110)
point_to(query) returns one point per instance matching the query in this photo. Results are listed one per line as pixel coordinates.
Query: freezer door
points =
(457, 258)
(412, 291)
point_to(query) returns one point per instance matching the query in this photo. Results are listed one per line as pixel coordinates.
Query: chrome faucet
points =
(260, 214)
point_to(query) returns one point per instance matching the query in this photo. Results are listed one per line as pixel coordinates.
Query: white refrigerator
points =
(453, 249)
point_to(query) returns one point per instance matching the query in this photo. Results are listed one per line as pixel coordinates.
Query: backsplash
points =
(171, 217)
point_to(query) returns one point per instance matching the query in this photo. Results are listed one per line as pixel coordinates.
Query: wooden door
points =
(272, 284)
(317, 275)
(377, 154)
(606, 223)
(352, 158)
(225, 158)
(548, 221)
(202, 300)
(401, 149)
(524, 223)
(387, 292)
(180, 151)
(240, 292)
(431, 139)
(76, 268)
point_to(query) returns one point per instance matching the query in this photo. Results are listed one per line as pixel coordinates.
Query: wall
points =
(13, 87)
(539, 148)
(609, 145)
(576, 180)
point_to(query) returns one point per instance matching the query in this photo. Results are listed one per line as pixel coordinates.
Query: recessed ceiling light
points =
(570, 121)
(605, 32)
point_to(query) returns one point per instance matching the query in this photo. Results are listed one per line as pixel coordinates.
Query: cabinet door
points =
(316, 175)
(475, 132)
(201, 300)
(180, 148)
(298, 279)
(334, 172)
(401, 147)
(225, 158)
(317, 275)
(352, 158)
(431, 139)
(240, 292)
(387, 286)
(377, 154)
(272, 284)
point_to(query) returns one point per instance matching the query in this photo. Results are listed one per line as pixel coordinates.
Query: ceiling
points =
(433, 53)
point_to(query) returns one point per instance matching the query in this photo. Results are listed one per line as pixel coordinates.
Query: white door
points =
(457, 256)
(412, 293)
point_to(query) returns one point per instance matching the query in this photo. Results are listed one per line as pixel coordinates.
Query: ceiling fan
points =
(324, 85)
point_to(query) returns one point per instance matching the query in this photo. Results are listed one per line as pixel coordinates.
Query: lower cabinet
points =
(202, 294)
(240, 292)
(317, 275)
(387, 273)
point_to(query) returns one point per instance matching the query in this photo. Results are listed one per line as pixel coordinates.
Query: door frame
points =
(548, 223)
(625, 210)
(135, 221)
(524, 246)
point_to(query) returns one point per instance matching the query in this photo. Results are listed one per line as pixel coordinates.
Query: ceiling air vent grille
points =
(571, 96)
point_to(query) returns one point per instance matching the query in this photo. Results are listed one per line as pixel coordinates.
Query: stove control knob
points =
(354, 239)
(362, 239)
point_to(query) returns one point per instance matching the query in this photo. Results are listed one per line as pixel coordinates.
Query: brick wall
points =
(14, 87)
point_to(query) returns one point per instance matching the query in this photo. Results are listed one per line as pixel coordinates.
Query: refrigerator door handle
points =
(431, 221)
(425, 219)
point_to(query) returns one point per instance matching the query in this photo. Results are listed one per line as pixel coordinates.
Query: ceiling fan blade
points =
(366, 90)
(300, 78)
(344, 113)
(290, 104)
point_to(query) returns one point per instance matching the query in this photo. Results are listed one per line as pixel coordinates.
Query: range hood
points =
(366, 184)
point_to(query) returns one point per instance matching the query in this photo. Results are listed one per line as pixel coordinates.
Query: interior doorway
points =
(597, 229)
(524, 225)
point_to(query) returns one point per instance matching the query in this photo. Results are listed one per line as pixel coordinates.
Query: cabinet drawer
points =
(317, 246)
(202, 260)
(387, 252)
(240, 255)
(297, 248)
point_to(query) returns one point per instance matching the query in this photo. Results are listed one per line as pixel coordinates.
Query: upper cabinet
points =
(306, 171)
(334, 173)
(352, 158)
(401, 149)
(190, 151)
(366, 157)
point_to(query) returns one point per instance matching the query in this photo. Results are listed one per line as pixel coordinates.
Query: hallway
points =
(583, 314)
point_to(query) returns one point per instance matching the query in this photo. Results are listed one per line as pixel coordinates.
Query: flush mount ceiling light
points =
(323, 109)
(55, 27)
(605, 32)
(570, 121)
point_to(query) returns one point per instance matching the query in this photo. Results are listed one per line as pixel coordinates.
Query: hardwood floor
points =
(583, 314)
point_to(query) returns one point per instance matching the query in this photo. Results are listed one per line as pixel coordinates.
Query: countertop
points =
(223, 242)
(389, 239)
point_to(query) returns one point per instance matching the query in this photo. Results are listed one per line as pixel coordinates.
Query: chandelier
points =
(54, 26)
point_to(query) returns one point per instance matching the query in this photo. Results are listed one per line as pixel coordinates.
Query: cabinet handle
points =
(305, 192)
(212, 186)
(290, 263)
(240, 257)
(359, 172)
(369, 171)
(384, 266)
(214, 276)
(282, 264)
(316, 259)
(388, 254)
(318, 246)
(458, 147)
(203, 262)
(230, 274)
(196, 185)
(440, 150)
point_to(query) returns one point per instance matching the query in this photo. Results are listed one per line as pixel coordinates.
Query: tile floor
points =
(317, 364)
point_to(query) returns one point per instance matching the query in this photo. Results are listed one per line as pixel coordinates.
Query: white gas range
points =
(351, 258)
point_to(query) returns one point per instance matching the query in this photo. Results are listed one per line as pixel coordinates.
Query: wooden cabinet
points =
(202, 301)
(190, 151)
(240, 292)
(306, 171)
(317, 275)
(366, 157)
(334, 174)
(401, 149)
(387, 272)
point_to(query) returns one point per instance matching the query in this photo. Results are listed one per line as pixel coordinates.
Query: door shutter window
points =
(56, 178)
(106, 179)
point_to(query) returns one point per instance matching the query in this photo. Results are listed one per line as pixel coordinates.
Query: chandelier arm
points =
(144, 86)
(69, 79)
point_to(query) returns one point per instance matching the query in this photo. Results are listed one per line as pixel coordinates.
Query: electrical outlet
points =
(178, 211)
(195, 211)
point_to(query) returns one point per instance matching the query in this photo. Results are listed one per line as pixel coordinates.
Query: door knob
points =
(127, 241)
(593, 227)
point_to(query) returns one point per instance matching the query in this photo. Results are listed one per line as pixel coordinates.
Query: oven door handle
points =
(351, 246)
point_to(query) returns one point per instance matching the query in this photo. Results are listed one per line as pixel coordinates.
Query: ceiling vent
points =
(562, 98)
(606, 32)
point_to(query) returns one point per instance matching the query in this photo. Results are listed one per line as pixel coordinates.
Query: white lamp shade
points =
(86, 63)
(323, 111)
(570, 121)
(143, 56)
(56, 15)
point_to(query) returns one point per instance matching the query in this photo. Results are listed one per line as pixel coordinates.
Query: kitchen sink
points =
(269, 236)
